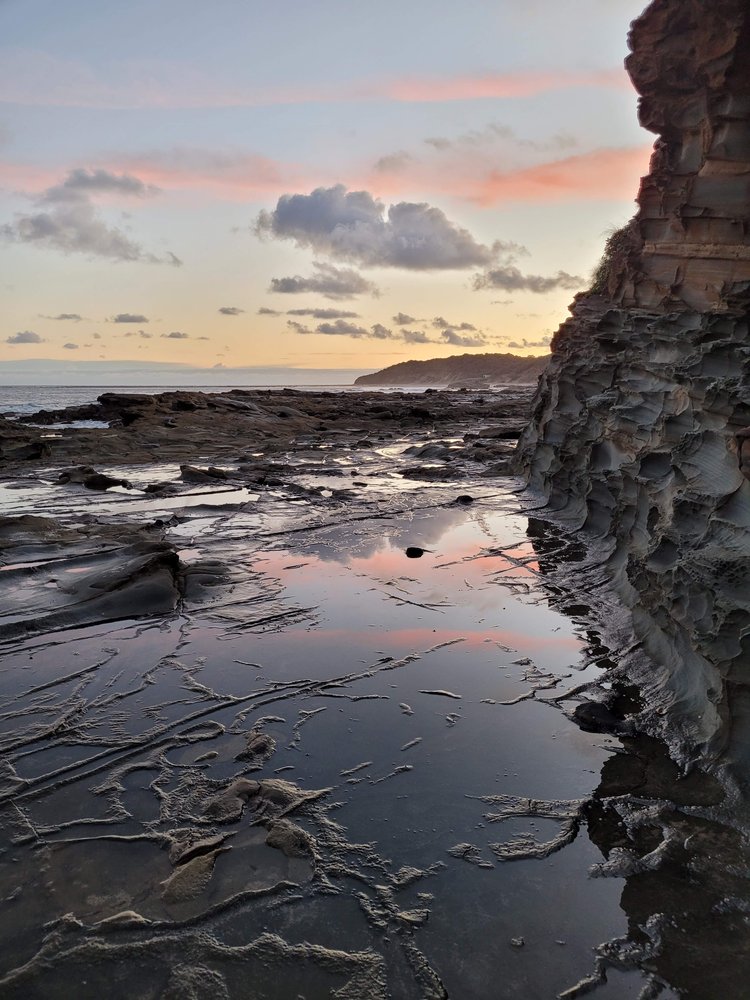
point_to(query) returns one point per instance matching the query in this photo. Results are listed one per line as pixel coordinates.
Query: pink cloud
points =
(24, 177)
(495, 85)
(232, 175)
(601, 174)
(35, 78)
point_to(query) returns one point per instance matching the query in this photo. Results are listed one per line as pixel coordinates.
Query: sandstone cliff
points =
(639, 422)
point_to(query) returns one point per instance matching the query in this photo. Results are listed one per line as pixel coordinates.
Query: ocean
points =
(22, 399)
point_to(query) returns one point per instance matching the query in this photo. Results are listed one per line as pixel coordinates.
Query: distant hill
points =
(471, 370)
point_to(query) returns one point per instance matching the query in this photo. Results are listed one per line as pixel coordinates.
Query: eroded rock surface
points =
(639, 425)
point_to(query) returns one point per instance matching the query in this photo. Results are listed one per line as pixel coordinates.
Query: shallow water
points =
(448, 854)
(448, 812)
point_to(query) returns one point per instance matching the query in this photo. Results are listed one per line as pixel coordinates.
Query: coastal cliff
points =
(640, 421)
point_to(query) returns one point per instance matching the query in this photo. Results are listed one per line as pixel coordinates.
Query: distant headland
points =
(469, 370)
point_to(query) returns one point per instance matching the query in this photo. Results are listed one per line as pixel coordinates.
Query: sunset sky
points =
(327, 184)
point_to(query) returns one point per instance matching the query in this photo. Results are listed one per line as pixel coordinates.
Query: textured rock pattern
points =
(690, 62)
(640, 427)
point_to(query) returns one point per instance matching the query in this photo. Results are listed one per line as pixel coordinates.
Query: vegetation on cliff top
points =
(490, 368)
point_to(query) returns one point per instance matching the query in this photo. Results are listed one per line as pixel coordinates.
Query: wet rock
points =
(282, 797)
(259, 748)
(85, 475)
(126, 918)
(414, 552)
(26, 452)
(227, 806)
(413, 918)
(192, 474)
(439, 451)
(101, 481)
(432, 473)
(190, 879)
(594, 717)
(188, 844)
(127, 576)
(195, 982)
(198, 580)
(289, 838)
(165, 488)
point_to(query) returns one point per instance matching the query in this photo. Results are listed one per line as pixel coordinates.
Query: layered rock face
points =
(640, 423)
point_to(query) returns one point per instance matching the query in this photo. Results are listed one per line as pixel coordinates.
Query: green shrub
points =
(617, 249)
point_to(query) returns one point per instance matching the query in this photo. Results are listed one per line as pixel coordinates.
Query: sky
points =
(328, 185)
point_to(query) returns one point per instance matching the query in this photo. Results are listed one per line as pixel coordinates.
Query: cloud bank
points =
(323, 313)
(329, 281)
(344, 328)
(509, 278)
(129, 318)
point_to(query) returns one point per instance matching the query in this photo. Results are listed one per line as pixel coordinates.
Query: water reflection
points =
(445, 804)
(677, 835)
(412, 699)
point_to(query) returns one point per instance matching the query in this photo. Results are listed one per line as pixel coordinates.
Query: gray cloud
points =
(230, 311)
(264, 311)
(510, 279)
(24, 337)
(451, 336)
(70, 347)
(323, 313)
(440, 323)
(73, 317)
(353, 226)
(298, 327)
(403, 319)
(495, 132)
(341, 328)
(380, 332)
(80, 183)
(129, 318)
(68, 220)
(329, 281)
(175, 335)
(543, 342)
(416, 337)
(392, 163)
(96, 336)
